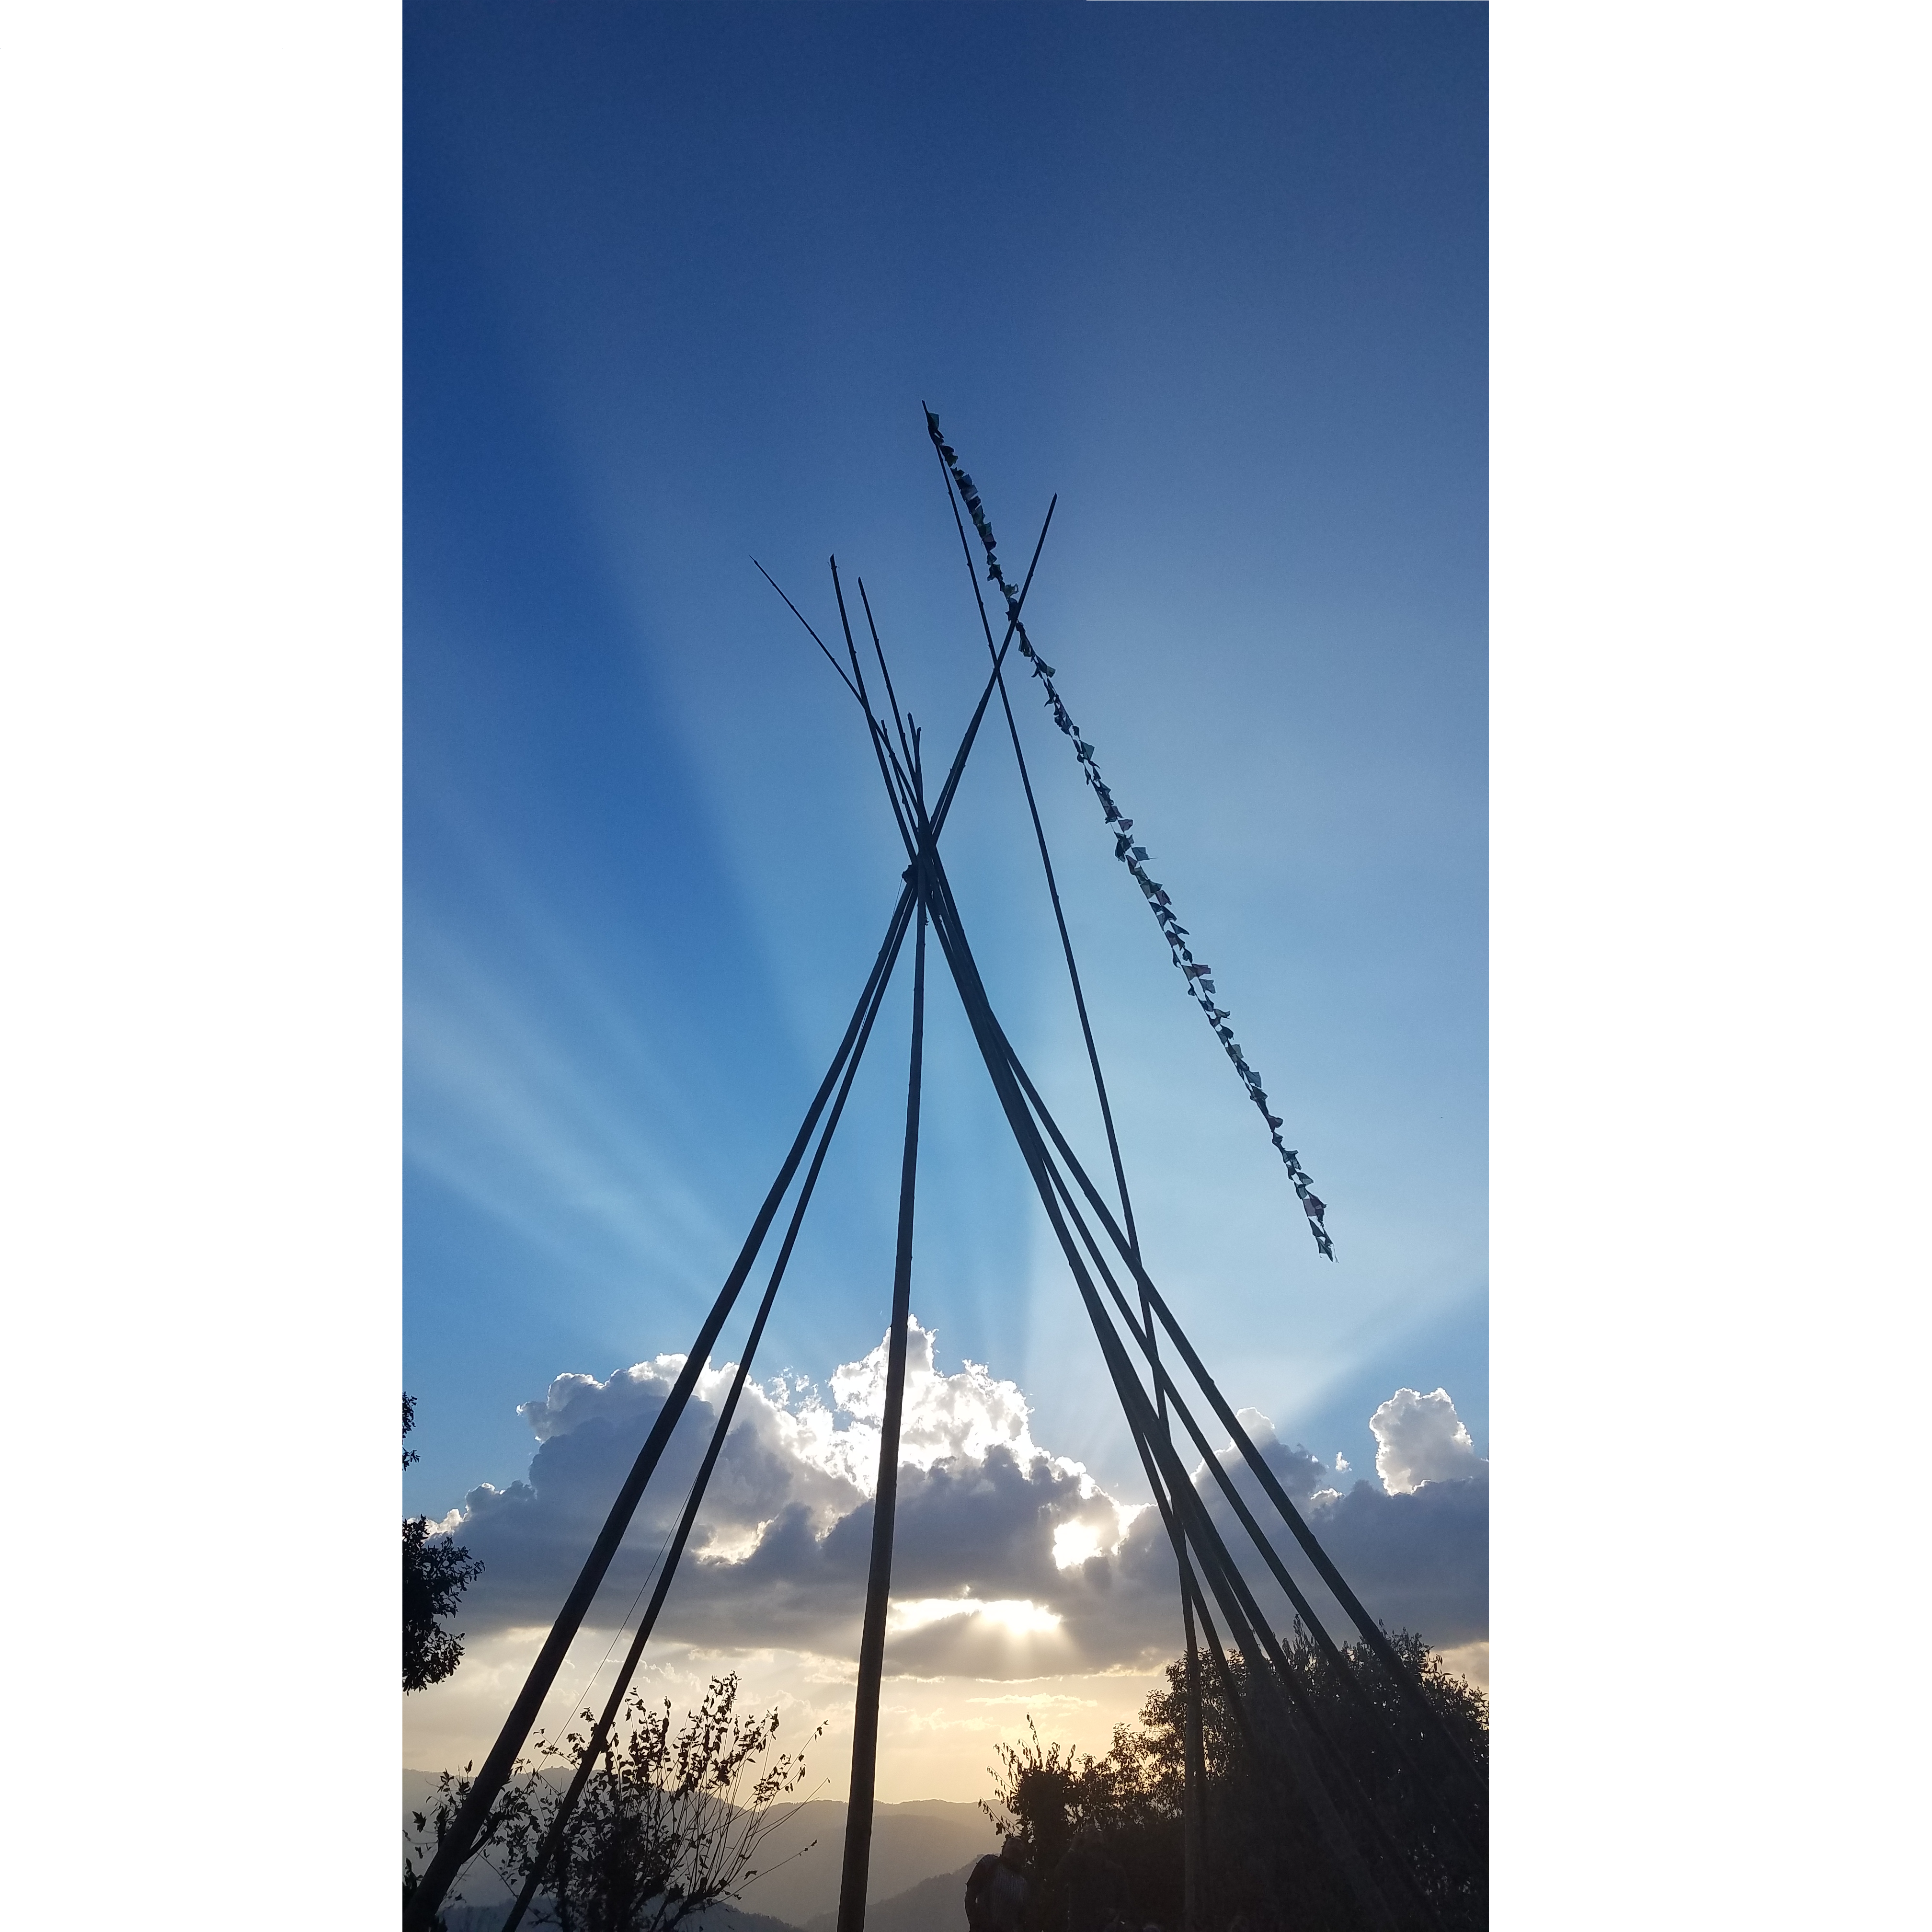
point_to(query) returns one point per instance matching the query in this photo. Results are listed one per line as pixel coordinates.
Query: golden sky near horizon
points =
(936, 1734)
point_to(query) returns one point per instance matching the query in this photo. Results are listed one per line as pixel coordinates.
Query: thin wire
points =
(617, 1635)
(815, 638)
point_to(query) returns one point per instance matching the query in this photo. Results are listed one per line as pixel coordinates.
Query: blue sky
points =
(677, 281)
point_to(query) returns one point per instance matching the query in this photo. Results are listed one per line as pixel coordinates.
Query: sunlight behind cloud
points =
(1016, 1575)
(1016, 1615)
(1073, 1543)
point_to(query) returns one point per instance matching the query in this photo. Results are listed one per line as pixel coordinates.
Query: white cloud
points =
(1008, 1561)
(1417, 1558)
(944, 1417)
(993, 1535)
(961, 1415)
(1420, 1439)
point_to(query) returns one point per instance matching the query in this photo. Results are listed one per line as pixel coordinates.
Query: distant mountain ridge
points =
(936, 1904)
(912, 1842)
(926, 1841)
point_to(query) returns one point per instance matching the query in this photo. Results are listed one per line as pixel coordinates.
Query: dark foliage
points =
(439, 1923)
(1267, 1864)
(668, 1822)
(435, 1573)
(1052, 1797)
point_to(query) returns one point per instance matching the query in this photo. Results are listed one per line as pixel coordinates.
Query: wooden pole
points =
(1194, 1803)
(878, 1584)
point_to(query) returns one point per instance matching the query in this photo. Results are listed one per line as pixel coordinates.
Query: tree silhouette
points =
(1266, 1864)
(668, 1822)
(435, 1573)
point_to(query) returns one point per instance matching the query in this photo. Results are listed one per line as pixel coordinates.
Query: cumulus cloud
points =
(1416, 1557)
(1009, 1561)
(1420, 1439)
(1420, 1560)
